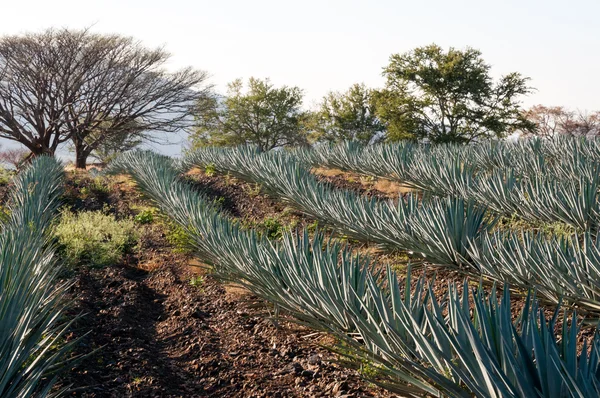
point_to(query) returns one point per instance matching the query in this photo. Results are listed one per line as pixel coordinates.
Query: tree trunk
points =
(36, 150)
(81, 155)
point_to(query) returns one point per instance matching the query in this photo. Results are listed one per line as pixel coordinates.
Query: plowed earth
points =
(154, 334)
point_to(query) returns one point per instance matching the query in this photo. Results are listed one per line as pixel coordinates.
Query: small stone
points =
(297, 367)
(307, 373)
(314, 359)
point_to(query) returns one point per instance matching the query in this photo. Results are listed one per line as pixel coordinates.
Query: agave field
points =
(462, 344)
(513, 226)
(452, 224)
(31, 348)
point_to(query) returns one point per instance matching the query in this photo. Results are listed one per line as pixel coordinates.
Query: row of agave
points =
(550, 181)
(448, 232)
(31, 297)
(462, 344)
(562, 156)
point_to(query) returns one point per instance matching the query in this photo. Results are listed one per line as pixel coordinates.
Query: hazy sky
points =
(329, 45)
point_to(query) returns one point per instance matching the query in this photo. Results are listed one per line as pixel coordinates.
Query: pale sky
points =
(323, 45)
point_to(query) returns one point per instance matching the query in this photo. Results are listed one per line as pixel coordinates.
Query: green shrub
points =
(5, 176)
(145, 216)
(197, 281)
(178, 238)
(218, 202)
(312, 227)
(210, 170)
(99, 186)
(252, 190)
(272, 228)
(94, 239)
(4, 214)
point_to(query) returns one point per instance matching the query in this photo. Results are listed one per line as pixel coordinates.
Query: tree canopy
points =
(108, 146)
(449, 96)
(347, 116)
(264, 115)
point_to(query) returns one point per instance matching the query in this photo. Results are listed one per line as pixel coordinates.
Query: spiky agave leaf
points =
(436, 228)
(559, 268)
(421, 348)
(31, 302)
(448, 232)
(536, 180)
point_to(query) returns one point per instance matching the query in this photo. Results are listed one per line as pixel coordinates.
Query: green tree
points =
(264, 115)
(347, 116)
(449, 96)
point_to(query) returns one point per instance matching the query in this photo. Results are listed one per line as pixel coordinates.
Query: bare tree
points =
(14, 157)
(551, 121)
(63, 85)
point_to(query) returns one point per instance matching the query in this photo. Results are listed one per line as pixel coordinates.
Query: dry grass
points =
(328, 172)
(71, 167)
(389, 188)
(194, 171)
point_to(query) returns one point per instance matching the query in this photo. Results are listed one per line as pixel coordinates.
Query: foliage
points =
(94, 188)
(16, 157)
(197, 281)
(209, 170)
(99, 185)
(219, 201)
(552, 180)
(32, 306)
(420, 344)
(94, 239)
(347, 116)
(407, 225)
(266, 116)
(109, 144)
(452, 231)
(448, 96)
(5, 176)
(177, 237)
(145, 216)
(271, 227)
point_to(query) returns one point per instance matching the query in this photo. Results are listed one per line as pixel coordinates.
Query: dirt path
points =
(159, 336)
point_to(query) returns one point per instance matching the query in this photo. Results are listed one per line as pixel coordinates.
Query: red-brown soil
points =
(154, 334)
(157, 335)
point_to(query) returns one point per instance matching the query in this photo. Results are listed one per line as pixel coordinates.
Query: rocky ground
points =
(159, 326)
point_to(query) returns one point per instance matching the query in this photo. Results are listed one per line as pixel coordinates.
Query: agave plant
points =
(566, 268)
(31, 302)
(447, 232)
(475, 350)
(439, 229)
(541, 199)
(531, 179)
(419, 344)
